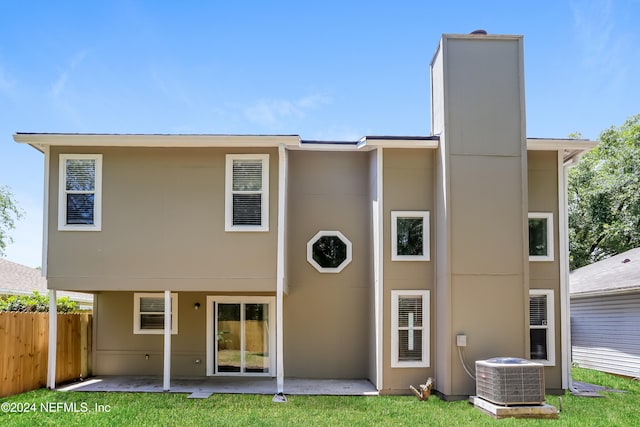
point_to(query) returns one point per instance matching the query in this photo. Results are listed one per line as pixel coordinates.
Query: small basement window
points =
(329, 251)
(148, 313)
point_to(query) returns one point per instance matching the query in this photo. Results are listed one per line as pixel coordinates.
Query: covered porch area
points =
(205, 387)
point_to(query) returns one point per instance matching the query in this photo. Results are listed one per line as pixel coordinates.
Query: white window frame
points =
(426, 242)
(550, 256)
(229, 193)
(395, 337)
(136, 313)
(550, 327)
(317, 266)
(62, 193)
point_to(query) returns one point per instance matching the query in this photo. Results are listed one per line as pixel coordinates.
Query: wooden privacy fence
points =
(24, 340)
(256, 334)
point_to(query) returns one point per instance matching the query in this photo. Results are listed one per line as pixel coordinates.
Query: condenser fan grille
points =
(510, 381)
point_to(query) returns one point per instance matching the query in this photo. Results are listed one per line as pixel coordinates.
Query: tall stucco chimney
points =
(478, 109)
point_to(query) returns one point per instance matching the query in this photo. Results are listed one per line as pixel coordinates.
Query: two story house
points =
(391, 258)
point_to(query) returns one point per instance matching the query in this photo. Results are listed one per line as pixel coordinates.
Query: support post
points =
(282, 181)
(166, 382)
(53, 340)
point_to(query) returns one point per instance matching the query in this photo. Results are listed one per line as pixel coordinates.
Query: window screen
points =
(410, 328)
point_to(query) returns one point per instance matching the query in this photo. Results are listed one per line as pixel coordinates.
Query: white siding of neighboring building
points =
(605, 333)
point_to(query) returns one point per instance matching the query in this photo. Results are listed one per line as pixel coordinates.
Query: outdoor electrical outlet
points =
(461, 340)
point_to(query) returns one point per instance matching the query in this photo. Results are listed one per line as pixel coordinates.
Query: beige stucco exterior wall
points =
(482, 278)
(408, 186)
(327, 315)
(162, 226)
(118, 351)
(543, 197)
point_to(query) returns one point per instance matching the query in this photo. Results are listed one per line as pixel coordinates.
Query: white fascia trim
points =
(369, 144)
(328, 147)
(38, 141)
(149, 140)
(228, 189)
(550, 256)
(554, 144)
(551, 326)
(97, 191)
(294, 142)
(398, 143)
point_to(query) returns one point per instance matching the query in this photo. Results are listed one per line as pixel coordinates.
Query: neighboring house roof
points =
(620, 273)
(18, 279)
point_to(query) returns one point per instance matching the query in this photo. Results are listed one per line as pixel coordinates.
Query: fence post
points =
(84, 323)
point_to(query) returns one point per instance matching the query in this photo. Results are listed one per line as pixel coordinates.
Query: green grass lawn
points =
(153, 409)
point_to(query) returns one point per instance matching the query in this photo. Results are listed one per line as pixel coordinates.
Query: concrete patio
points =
(205, 387)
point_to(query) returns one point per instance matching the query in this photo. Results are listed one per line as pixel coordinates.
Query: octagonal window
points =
(329, 251)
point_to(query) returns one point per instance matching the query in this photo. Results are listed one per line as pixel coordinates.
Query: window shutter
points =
(538, 310)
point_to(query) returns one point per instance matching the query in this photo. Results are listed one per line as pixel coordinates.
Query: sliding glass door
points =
(243, 336)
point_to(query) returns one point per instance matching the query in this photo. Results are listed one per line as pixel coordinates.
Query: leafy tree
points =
(604, 197)
(9, 213)
(36, 303)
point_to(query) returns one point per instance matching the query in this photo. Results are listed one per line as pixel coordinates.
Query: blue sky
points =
(327, 69)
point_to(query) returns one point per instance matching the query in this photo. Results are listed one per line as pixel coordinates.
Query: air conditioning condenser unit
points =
(510, 381)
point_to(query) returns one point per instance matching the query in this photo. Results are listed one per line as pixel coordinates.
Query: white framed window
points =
(541, 236)
(80, 192)
(148, 313)
(410, 236)
(410, 329)
(247, 192)
(542, 326)
(329, 251)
